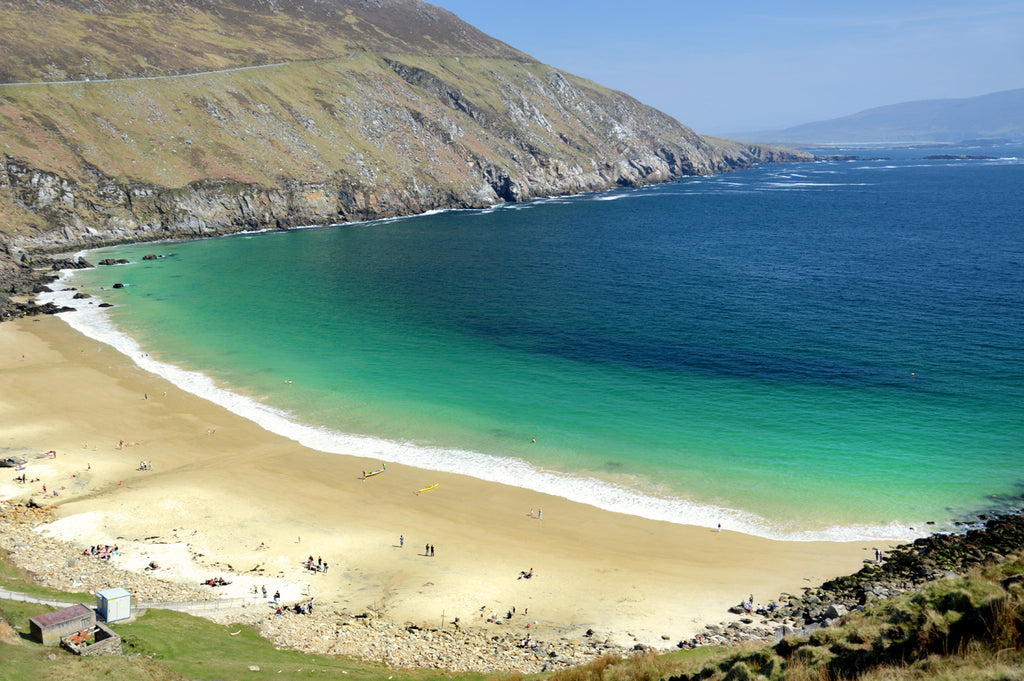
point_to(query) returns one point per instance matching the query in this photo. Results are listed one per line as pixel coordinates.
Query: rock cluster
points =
(901, 570)
(59, 565)
(367, 637)
(24, 277)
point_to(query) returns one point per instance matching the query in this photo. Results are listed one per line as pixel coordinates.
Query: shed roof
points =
(60, 616)
(114, 592)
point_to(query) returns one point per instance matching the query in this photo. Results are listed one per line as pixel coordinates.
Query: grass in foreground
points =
(165, 645)
(170, 645)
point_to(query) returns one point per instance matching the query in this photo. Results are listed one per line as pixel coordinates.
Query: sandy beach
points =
(227, 498)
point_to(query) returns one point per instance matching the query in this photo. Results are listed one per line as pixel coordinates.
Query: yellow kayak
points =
(425, 489)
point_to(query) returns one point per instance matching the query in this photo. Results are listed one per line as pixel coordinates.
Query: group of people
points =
(299, 608)
(319, 566)
(495, 619)
(101, 551)
(759, 609)
(303, 608)
(145, 465)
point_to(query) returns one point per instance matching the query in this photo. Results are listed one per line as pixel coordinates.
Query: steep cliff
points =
(131, 120)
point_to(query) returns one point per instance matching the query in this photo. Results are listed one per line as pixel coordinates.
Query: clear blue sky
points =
(741, 66)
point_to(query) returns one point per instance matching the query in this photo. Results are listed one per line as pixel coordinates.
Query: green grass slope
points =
(45, 40)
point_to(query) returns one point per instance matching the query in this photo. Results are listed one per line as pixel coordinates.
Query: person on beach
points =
(401, 541)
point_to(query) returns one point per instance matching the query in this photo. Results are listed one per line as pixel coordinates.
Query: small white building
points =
(114, 605)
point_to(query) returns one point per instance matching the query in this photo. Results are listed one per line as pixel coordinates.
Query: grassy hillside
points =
(44, 40)
(311, 120)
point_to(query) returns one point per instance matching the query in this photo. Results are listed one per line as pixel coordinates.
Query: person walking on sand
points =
(401, 541)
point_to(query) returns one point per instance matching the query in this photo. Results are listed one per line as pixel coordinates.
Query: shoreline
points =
(228, 493)
(586, 488)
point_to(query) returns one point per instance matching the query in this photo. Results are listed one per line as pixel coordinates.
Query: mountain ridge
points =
(996, 115)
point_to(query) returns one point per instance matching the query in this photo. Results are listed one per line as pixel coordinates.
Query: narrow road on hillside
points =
(179, 75)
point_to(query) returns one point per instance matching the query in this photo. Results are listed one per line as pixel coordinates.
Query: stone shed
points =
(50, 627)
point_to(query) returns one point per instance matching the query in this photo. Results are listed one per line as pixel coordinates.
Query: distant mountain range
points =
(995, 116)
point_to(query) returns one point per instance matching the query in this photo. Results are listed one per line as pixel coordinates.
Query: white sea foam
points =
(801, 185)
(93, 322)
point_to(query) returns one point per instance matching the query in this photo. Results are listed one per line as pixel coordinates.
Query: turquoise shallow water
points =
(804, 350)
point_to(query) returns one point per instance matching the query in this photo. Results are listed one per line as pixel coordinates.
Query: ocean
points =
(828, 350)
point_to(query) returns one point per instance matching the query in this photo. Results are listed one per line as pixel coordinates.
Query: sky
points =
(745, 66)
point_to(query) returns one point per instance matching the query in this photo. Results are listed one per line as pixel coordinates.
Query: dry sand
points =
(261, 504)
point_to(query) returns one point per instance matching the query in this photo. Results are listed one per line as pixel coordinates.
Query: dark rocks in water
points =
(106, 305)
(69, 264)
(79, 295)
(118, 285)
(151, 256)
(113, 261)
(31, 309)
(958, 157)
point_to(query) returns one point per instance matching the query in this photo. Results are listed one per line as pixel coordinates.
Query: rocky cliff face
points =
(356, 133)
